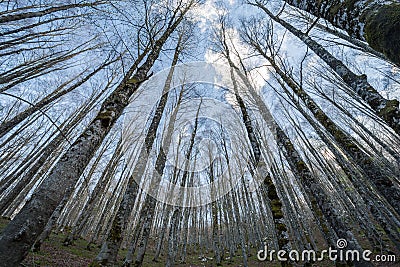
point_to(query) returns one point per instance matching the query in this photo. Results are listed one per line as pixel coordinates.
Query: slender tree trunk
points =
(173, 238)
(98, 189)
(45, 154)
(274, 200)
(376, 22)
(387, 110)
(149, 206)
(377, 175)
(357, 44)
(26, 15)
(185, 229)
(20, 234)
(109, 251)
(162, 232)
(8, 125)
(214, 220)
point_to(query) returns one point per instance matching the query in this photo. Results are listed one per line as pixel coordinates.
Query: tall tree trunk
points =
(387, 110)
(214, 221)
(110, 248)
(377, 22)
(173, 238)
(163, 230)
(8, 125)
(274, 200)
(148, 210)
(20, 234)
(377, 175)
(44, 155)
(98, 189)
(27, 15)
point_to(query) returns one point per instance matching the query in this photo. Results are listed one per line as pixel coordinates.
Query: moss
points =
(277, 213)
(105, 118)
(282, 243)
(382, 31)
(301, 166)
(392, 106)
(276, 207)
(132, 80)
(276, 203)
(350, 4)
(334, 9)
(320, 216)
(281, 227)
(115, 233)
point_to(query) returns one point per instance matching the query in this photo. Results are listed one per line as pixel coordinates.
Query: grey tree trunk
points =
(214, 220)
(21, 233)
(8, 125)
(50, 224)
(173, 238)
(161, 159)
(26, 15)
(378, 176)
(148, 211)
(109, 251)
(387, 110)
(162, 232)
(45, 154)
(357, 44)
(185, 230)
(150, 203)
(377, 22)
(98, 189)
(274, 200)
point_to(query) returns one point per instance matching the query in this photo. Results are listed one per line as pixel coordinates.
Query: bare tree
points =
(371, 21)
(20, 234)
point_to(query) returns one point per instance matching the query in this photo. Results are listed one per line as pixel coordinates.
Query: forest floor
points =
(54, 254)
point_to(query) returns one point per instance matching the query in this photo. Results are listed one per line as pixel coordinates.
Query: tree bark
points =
(27, 15)
(377, 22)
(108, 253)
(148, 211)
(377, 175)
(8, 125)
(21, 233)
(387, 110)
